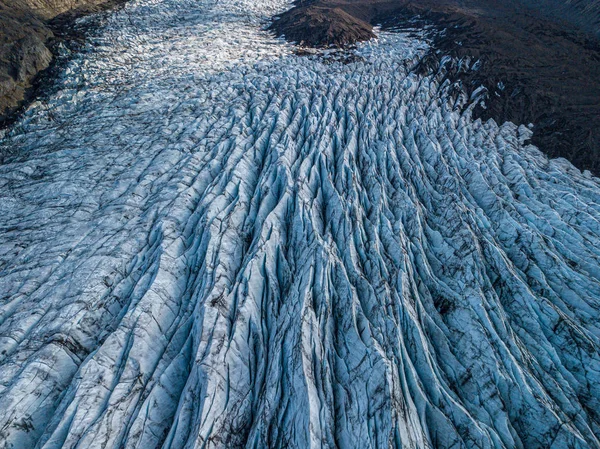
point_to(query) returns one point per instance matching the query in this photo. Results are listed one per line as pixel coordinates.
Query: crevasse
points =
(209, 242)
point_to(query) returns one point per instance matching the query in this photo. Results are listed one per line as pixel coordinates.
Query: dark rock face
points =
(583, 13)
(535, 70)
(23, 52)
(538, 60)
(26, 29)
(317, 26)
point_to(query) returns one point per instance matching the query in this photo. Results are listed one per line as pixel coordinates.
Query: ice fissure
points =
(210, 242)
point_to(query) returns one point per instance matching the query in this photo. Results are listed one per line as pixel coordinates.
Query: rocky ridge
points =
(28, 29)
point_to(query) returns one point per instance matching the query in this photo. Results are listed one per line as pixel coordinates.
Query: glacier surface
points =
(210, 242)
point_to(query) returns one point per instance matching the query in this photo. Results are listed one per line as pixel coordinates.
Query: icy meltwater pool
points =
(209, 242)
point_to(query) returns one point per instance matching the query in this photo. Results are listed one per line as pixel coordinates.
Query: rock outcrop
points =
(26, 30)
(317, 26)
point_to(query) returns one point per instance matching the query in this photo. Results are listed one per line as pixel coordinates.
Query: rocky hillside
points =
(26, 30)
(583, 13)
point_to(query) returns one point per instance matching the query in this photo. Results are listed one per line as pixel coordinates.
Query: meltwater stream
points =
(209, 242)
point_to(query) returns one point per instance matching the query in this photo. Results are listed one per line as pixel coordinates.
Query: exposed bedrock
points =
(27, 30)
(318, 26)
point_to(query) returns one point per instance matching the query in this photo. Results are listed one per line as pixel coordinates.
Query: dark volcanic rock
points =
(27, 28)
(317, 26)
(23, 52)
(585, 14)
(536, 71)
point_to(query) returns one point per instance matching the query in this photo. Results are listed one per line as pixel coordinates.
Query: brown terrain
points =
(28, 29)
(539, 59)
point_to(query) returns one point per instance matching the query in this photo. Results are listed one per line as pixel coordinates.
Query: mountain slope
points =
(582, 13)
(27, 34)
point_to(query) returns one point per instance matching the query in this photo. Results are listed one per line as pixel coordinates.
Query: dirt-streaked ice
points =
(209, 242)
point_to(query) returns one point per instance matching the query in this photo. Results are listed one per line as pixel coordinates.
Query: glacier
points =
(208, 241)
